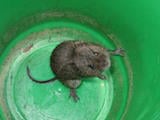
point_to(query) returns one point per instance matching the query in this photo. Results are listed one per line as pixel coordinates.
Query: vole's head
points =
(94, 56)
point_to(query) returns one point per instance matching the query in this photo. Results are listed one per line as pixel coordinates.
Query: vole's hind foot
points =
(118, 51)
(73, 94)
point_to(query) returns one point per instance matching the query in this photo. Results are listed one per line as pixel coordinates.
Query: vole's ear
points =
(83, 50)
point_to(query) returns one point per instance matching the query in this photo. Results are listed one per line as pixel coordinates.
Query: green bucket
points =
(30, 30)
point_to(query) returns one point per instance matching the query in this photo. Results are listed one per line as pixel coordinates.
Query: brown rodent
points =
(72, 60)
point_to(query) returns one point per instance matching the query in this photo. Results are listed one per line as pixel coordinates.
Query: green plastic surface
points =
(30, 30)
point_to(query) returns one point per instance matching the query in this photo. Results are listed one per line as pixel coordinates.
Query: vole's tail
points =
(38, 81)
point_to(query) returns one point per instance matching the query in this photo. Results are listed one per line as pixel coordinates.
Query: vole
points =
(72, 60)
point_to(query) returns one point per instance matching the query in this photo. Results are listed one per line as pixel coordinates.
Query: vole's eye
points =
(95, 53)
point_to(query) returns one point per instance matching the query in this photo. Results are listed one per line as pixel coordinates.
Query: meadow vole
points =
(72, 60)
